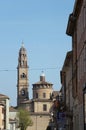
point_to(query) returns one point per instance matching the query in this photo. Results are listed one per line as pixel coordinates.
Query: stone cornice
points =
(73, 17)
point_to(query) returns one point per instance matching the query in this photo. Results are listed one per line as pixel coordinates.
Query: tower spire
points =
(22, 44)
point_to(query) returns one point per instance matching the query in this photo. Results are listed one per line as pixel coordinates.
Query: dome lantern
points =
(42, 76)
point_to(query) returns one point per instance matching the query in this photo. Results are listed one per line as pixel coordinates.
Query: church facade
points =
(41, 103)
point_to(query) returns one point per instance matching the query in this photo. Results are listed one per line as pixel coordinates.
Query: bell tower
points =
(22, 76)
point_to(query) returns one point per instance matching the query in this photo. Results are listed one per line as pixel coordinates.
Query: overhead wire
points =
(6, 70)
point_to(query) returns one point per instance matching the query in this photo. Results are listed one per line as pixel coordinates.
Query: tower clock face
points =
(23, 92)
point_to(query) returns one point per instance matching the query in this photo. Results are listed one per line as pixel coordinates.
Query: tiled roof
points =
(42, 82)
(3, 96)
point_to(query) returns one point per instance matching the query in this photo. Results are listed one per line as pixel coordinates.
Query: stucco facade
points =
(41, 103)
(40, 122)
(1, 116)
(76, 28)
(5, 101)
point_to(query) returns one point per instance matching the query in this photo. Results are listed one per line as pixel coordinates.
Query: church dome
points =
(42, 76)
(22, 60)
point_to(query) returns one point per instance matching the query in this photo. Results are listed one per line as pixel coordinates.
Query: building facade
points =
(4, 108)
(66, 81)
(1, 116)
(76, 28)
(13, 119)
(41, 103)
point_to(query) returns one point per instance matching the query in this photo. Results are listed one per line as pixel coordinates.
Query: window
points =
(23, 92)
(36, 95)
(44, 95)
(23, 75)
(3, 110)
(50, 95)
(22, 63)
(44, 107)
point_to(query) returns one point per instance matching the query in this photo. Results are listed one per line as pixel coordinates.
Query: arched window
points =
(23, 75)
(23, 92)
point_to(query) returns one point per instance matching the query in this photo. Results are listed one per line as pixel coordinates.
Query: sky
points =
(41, 25)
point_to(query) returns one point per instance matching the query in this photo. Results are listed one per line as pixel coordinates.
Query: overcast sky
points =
(41, 25)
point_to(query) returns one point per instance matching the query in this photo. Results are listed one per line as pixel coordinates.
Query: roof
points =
(42, 80)
(12, 109)
(3, 96)
(42, 83)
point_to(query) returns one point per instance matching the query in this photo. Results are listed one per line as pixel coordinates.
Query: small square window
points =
(44, 107)
(44, 95)
(36, 95)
